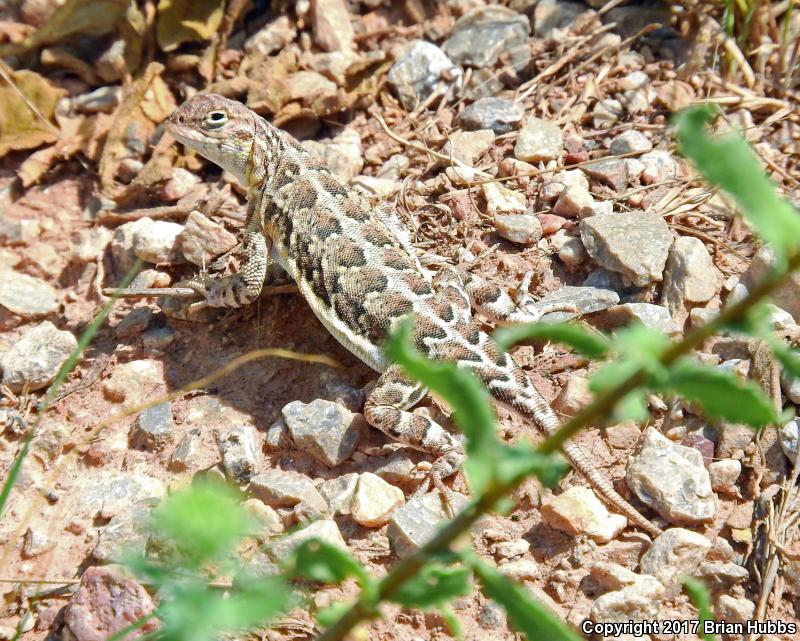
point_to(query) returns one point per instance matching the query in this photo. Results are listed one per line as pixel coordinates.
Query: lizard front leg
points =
(386, 408)
(241, 288)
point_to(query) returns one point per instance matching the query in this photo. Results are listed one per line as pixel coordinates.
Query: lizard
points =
(359, 272)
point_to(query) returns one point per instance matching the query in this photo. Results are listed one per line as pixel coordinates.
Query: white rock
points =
(502, 200)
(642, 600)
(659, 165)
(468, 146)
(734, 610)
(571, 201)
(674, 554)
(579, 511)
(374, 500)
(156, 242)
(724, 475)
(34, 360)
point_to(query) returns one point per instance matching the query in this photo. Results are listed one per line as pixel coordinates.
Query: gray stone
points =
(787, 296)
(606, 112)
(101, 100)
(157, 338)
(652, 316)
(134, 322)
(416, 74)
(339, 492)
(342, 154)
(327, 431)
(19, 232)
(241, 452)
(277, 488)
(511, 549)
(671, 479)
(659, 165)
(789, 438)
(674, 554)
(417, 521)
(480, 37)
(732, 439)
(35, 543)
(153, 428)
(522, 570)
(156, 242)
(468, 146)
(630, 141)
(266, 517)
(539, 141)
(638, 601)
(690, 277)
(721, 577)
(572, 252)
(636, 246)
(112, 493)
(609, 171)
(734, 610)
(586, 299)
(126, 532)
(492, 617)
(26, 296)
(554, 14)
(186, 454)
(524, 229)
(202, 239)
(278, 437)
(397, 468)
(272, 37)
(500, 115)
(34, 359)
(324, 530)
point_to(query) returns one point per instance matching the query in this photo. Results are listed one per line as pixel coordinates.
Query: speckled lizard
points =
(357, 269)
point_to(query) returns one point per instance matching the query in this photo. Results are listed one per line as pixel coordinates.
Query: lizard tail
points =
(534, 406)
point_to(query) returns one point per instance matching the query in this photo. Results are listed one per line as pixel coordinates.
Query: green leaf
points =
(590, 344)
(434, 586)
(453, 624)
(720, 394)
(526, 614)
(328, 616)
(522, 459)
(472, 408)
(789, 358)
(193, 612)
(702, 601)
(205, 522)
(632, 407)
(728, 162)
(320, 561)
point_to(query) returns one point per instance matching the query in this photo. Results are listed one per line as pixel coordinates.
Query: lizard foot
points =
(446, 465)
(537, 310)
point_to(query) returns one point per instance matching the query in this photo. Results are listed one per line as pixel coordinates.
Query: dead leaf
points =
(96, 17)
(129, 111)
(37, 165)
(158, 101)
(182, 21)
(20, 126)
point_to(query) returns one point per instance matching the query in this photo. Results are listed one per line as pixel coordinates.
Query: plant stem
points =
(365, 608)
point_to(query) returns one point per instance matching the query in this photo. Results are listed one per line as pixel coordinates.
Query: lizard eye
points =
(215, 119)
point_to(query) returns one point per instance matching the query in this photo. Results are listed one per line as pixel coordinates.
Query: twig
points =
(186, 292)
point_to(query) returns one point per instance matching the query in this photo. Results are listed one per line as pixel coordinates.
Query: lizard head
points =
(217, 128)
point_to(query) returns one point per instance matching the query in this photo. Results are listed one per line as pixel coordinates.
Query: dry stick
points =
(602, 406)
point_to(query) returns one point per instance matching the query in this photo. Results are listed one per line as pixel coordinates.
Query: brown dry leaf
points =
(95, 17)
(158, 101)
(129, 111)
(37, 165)
(20, 126)
(14, 32)
(268, 89)
(182, 21)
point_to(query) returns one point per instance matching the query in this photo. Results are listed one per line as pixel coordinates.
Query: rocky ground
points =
(531, 137)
